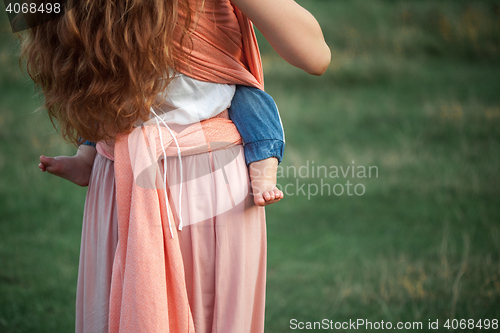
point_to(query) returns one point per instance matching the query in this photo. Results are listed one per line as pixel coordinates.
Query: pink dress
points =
(224, 256)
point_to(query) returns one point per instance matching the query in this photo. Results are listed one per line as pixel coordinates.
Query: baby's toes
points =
(278, 194)
(269, 195)
(259, 200)
(45, 160)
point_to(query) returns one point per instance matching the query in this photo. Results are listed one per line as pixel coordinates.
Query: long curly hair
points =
(101, 65)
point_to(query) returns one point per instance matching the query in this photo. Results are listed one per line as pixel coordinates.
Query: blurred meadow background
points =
(413, 90)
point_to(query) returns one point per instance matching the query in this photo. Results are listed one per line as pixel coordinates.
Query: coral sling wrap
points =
(148, 291)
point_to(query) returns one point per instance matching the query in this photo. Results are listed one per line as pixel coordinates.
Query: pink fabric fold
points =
(148, 287)
(222, 49)
(148, 291)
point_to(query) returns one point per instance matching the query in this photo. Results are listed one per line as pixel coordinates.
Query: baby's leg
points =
(76, 168)
(263, 180)
(257, 118)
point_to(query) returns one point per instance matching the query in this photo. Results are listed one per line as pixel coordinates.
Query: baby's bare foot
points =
(264, 198)
(71, 168)
(263, 180)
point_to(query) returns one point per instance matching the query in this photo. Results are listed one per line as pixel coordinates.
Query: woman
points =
(101, 68)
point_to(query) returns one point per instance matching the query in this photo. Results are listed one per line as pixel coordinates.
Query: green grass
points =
(412, 89)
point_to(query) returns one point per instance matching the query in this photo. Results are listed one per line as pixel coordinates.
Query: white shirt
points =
(187, 100)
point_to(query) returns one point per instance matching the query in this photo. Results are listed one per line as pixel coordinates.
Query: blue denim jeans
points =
(88, 143)
(256, 117)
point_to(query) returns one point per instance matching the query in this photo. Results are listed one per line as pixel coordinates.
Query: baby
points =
(257, 119)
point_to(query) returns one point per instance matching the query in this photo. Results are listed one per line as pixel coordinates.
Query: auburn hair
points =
(102, 63)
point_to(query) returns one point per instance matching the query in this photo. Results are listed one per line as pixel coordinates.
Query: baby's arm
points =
(291, 30)
(73, 168)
